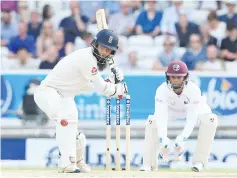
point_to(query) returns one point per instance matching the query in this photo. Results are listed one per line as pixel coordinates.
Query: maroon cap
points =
(177, 68)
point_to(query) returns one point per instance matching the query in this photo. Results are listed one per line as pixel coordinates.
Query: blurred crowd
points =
(203, 34)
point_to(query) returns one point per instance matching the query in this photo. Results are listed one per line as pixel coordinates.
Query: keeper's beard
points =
(178, 89)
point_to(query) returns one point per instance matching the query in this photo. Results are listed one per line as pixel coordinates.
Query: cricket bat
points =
(101, 20)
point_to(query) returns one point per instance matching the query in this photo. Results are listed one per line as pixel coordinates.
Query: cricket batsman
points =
(179, 98)
(76, 74)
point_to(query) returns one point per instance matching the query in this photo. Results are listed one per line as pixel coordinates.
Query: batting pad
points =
(150, 156)
(206, 134)
(81, 144)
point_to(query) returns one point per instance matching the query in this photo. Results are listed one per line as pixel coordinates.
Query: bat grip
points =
(114, 72)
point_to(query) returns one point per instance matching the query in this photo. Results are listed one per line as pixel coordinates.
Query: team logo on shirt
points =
(186, 101)
(94, 70)
(176, 67)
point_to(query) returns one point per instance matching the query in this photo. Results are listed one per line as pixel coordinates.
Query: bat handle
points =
(115, 79)
(112, 67)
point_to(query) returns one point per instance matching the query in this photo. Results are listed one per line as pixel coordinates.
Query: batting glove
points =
(118, 74)
(121, 90)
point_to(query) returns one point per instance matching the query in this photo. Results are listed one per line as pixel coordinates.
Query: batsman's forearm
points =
(98, 83)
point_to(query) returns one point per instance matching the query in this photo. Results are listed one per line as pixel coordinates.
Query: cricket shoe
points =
(72, 168)
(197, 167)
(83, 166)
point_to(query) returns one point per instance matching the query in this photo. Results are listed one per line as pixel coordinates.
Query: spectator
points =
(168, 55)
(83, 42)
(170, 17)
(89, 8)
(45, 40)
(122, 57)
(52, 59)
(208, 5)
(161, 5)
(229, 44)
(195, 54)
(62, 47)
(184, 29)
(34, 26)
(133, 59)
(8, 5)
(21, 41)
(136, 8)
(28, 111)
(111, 6)
(87, 37)
(212, 63)
(231, 15)
(217, 28)
(124, 18)
(23, 11)
(47, 14)
(8, 28)
(131, 63)
(23, 61)
(206, 37)
(148, 22)
(75, 24)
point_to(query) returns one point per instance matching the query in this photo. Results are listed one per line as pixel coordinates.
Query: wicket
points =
(118, 134)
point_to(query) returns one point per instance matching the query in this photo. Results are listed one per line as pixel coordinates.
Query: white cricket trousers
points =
(64, 111)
